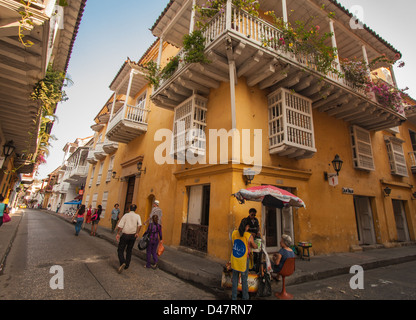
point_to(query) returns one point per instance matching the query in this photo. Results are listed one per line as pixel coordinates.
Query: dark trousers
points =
(126, 243)
(113, 224)
(151, 252)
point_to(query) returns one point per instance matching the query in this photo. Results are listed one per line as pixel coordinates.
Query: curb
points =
(4, 258)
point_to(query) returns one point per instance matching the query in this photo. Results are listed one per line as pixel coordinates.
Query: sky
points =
(111, 31)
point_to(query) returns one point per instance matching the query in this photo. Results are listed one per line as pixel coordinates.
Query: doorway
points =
(278, 222)
(401, 221)
(129, 194)
(364, 220)
(195, 232)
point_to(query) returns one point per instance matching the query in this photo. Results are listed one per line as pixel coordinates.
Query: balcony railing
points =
(268, 64)
(76, 173)
(128, 123)
(62, 187)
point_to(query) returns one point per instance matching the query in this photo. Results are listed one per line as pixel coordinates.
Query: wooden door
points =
(401, 222)
(364, 217)
(129, 194)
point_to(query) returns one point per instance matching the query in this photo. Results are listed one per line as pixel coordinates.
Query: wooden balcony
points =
(110, 147)
(128, 123)
(99, 152)
(76, 173)
(91, 159)
(236, 37)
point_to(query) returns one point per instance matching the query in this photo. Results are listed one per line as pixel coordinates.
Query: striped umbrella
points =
(270, 196)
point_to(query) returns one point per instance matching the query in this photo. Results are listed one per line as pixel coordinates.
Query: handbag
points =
(6, 218)
(143, 242)
(265, 287)
(160, 248)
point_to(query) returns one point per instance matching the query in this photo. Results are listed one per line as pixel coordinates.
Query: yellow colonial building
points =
(185, 131)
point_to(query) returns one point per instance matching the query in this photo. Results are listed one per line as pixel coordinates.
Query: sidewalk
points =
(196, 267)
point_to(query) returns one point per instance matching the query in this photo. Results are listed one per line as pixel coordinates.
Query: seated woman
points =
(279, 258)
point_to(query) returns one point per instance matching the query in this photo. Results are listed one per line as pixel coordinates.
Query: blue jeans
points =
(78, 225)
(244, 283)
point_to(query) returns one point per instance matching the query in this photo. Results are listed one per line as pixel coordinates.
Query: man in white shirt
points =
(129, 228)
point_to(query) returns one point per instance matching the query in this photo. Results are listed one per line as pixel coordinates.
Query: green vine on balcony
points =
(305, 38)
(26, 23)
(193, 52)
(48, 92)
(358, 73)
(194, 47)
(212, 7)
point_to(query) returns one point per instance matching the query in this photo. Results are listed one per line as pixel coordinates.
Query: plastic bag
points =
(6, 218)
(268, 263)
(160, 248)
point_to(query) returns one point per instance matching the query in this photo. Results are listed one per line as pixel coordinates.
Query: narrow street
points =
(89, 267)
(395, 282)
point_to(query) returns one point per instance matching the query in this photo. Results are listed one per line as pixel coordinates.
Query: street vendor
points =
(253, 222)
(254, 229)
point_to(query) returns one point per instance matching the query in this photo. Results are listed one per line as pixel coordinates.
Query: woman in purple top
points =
(284, 253)
(155, 235)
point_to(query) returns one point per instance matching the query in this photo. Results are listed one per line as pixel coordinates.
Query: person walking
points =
(79, 218)
(95, 219)
(129, 228)
(89, 214)
(242, 241)
(3, 209)
(155, 235)
(155, 211)
(114, 217)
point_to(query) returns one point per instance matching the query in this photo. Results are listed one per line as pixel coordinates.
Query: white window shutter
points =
(362, 152)
(396, 156)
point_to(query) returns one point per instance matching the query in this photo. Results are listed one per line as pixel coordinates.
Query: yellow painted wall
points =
(328, 221)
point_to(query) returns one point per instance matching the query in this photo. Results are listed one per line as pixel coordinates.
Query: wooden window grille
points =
(291, 131)
(189, 127)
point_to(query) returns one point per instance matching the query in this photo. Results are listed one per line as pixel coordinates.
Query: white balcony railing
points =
(260, 32)
(63, 187)
(135, 114)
